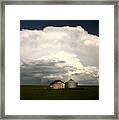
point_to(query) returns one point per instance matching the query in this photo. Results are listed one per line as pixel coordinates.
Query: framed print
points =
(59, 60)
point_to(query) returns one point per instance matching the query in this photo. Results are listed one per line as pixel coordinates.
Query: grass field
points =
(37, 92)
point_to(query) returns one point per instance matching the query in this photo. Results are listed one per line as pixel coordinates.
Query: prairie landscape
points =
(59, 50)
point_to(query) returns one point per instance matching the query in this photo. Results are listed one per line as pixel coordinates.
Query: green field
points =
(37, 92)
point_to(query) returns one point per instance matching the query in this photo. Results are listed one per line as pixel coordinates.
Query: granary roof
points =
(56, 82)
(70, 80)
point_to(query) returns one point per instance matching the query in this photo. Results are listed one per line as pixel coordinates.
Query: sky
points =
(92, 26)
(64, 50)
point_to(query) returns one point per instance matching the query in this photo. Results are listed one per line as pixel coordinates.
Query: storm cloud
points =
(71, 50)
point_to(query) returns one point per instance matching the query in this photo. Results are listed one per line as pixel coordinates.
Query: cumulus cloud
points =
(72, 45)
(51, 40)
